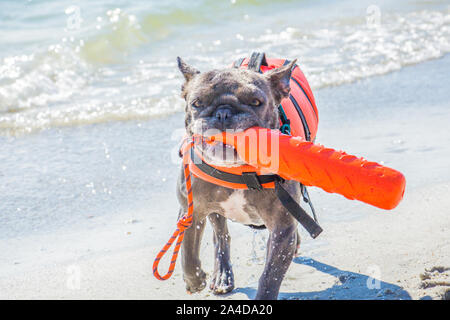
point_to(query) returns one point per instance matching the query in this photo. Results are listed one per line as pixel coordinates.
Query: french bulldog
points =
(234, 99)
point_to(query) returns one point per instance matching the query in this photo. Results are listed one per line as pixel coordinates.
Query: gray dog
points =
(235, 99)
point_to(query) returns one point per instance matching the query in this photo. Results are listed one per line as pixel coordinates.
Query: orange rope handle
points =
(182, 224)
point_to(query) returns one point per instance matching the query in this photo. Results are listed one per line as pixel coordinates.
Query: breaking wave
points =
(125, 69)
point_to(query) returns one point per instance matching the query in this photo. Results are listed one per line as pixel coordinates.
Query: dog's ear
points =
(188, 71)
(279, 81)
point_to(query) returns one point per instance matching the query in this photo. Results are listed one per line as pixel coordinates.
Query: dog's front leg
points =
(193, 274)
(280, 250)
(223, 279)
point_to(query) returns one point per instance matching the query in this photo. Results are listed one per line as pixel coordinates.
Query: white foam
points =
(62, 86)
(344, 53)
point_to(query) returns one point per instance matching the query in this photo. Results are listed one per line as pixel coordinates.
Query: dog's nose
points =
(223, 113)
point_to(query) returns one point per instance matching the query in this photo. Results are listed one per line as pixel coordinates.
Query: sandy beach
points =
(399, 119)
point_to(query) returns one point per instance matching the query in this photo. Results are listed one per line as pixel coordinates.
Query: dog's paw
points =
(197, 283)
(222, 281)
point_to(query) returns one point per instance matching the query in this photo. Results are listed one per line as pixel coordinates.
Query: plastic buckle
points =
(251, 180)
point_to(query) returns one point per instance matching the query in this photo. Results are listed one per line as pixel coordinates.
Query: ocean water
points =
(74, 63)
(90, 113)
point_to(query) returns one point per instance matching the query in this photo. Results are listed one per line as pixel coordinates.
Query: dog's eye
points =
(197, 103)
(256, 103)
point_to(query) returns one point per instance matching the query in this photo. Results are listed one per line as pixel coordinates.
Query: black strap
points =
(307, 200)
(304, 92)
(250, 179)
(299, 214)
(257, 59)
(302, 118)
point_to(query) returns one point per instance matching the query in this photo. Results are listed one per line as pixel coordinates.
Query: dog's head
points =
(231, 100)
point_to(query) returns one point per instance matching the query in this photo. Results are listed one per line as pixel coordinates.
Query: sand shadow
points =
(348, 286)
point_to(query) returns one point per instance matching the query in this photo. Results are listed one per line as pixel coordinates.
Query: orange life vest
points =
(298, 117)
(300, 107)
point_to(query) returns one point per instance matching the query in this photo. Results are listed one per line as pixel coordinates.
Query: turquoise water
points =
(66, 63)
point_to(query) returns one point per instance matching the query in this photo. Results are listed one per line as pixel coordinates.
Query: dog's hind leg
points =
(223, 279)
(193, 274)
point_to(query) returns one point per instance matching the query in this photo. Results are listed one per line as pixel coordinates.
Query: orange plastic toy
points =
(293, 158)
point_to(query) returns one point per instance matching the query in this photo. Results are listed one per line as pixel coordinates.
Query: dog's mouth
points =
(218, 153)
